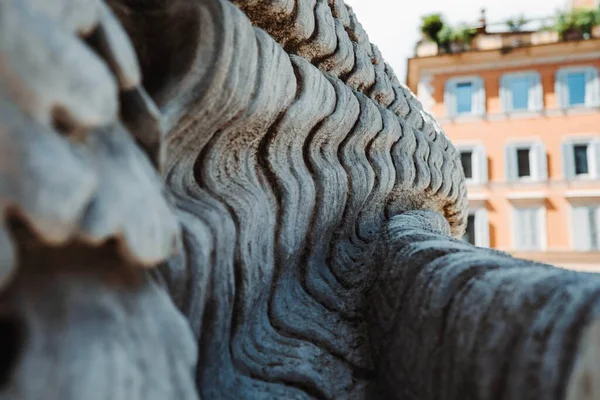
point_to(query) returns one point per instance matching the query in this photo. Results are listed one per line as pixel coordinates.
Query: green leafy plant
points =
(446, 36)
(563, 25)
(585, 20)
(516, 24)
(465, 34)
(578, 23)
(431, 26)
(461, 36)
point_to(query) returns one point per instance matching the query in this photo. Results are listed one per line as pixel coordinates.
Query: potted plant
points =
(465, 34)
(516, 24)
(596, 28)
(431, 26)
(585, 20)
(446, 37)
(565, 27)
(456, 40)
(576, 24)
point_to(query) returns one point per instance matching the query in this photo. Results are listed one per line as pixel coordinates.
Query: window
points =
(580, 153)
(581, 158)
(529, 225)
(526, 162)
(478, 232)
(465, 96)
(519, 88)
(466, 159)
(586, 227)
(523, 163)
(578, 86)
(473, 158)
(521, 91)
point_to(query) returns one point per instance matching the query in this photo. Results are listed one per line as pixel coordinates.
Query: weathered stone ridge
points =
(450, 320)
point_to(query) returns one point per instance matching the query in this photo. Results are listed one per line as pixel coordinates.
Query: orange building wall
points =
(495, 134)
(551, 126)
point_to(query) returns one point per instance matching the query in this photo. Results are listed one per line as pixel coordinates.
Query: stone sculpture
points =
(237, 199)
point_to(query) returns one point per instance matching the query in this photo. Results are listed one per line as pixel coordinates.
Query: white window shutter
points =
(482, 164)
(592, 87)
(482, 228)
(581, 228)
(528, 226)
(597, 227)
(542, 228)
(541, 162)
(505, 94)
(534, 216)
(568, 161)
(518, 229)
(536, 92)
(560, 88)
(594, 158)
(510, 163)
(478, 96)
(450, 98)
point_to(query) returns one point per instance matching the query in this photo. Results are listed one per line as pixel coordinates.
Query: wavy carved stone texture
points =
(237, 199)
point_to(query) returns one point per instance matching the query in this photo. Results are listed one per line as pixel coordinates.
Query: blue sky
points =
(393, 25)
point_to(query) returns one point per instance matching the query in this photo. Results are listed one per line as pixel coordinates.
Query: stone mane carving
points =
(266, 161)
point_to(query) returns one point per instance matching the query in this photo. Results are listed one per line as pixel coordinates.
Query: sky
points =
(393, 25)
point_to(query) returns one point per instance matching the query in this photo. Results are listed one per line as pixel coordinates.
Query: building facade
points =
(525, 115)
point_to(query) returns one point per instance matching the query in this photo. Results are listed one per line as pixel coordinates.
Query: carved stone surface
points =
(449, 320)
(291, 157)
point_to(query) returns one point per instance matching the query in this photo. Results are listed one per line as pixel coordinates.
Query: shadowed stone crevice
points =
(12, 337)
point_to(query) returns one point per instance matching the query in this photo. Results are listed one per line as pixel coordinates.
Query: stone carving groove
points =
(248, 161)
(305, 28)
(287, 149)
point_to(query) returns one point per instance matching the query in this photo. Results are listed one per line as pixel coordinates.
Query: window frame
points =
(479, 161)
(592, 86)
(478, 97)
(538, 162)
(593, 156)
(535, 100)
